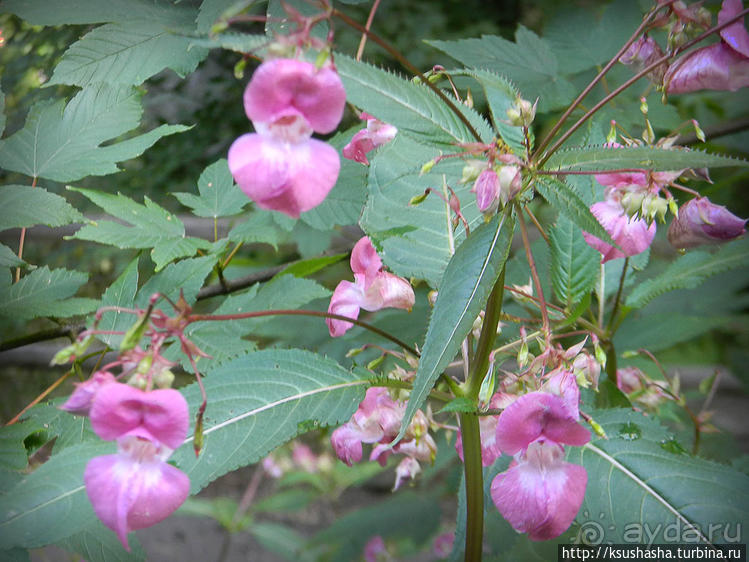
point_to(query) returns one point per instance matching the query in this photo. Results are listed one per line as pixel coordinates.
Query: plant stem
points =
(284, 312)
(618, 298)
(21, 242)
(534, 275)
(411, 68)
(648, 18)
(368, 26)
(592, 111)
(480, 363)
(474, 477)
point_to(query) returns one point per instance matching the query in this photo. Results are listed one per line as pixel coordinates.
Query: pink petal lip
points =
(159, 415)
(288, 177)
(129, 494)
(633, 236)
(280, 84)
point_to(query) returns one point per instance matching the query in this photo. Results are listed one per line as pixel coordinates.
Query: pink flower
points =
(80, 401)
(643, 53)
(372, 289)
(721, 66)
(283, 87)
(632, 235)
(540, 493)
(375, 550)
(136, 488)
(442, 545)
(702, 222)
(564, 384)
(486, 189)
(407, 469)
(375, 134)
(280, 166)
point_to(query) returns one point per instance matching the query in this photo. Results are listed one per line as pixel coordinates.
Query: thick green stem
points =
(608, 347)
(469, 424)
(474, 475)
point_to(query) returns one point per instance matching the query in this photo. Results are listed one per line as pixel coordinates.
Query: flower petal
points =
(159, 415)
(735, 34)
(280, 84)
(346, 301)
(80, 401)
(364, 259)
(388, 291)
(128, 495)
(702, 222)
(540, 500)
(633, 236)
(715, 67)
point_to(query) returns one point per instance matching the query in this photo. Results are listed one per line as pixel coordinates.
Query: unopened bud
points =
(487, 191)
(239, 68)
(418, 199)
(487, 388)
(522, 113)
(144, 365)
(138, 380)
(134, 333)
(510, 183)
(523, 355)
(648, 135)
(432, 297)
(471, 170)
(632, 202)
(164, 379)
(644, 106)
(660, 205)
(611, 136)
(698, 131)
(376, 362)
(426, 168)
(468, 102)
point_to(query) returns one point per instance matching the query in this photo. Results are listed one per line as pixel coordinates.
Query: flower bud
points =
(487, 190)
(472, 169)
(643, 53)
(702, 222)
(510, 182)
(522, 113)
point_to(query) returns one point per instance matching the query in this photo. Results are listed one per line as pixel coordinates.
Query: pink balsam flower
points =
(135, 488)
(372, 289)
(632, 235)
(280, 166)
(540, 494)
(720, 66)
(375, 134)
(83, 396)
(702, 222)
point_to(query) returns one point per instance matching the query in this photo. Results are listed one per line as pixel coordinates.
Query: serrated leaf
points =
(97, 543)
(500, 95)
(40, 292)
(565, 200)
(62, 142)
(574, 264)
(414, 109)
(343, 205)
(211, 10)
(256, 402)
(259, 227)
(25, 206)
(50, 504)
(219, 196)
(128, 53)
(13, 454)
(8, 258)
(184, 277)
(465, 287)
(303, 268)
(37, 12)
(689, 271)
(237, 42)
(415, 241)
(120, 294)
(529, 62)
(582, 41)
(460, 404)
(149, 226)
(633, 481)
(645, 157)
(656, 332)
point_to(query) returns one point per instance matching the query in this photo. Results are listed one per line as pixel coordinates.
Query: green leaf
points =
(656, 332)
(500, 95)
(582, 41)
(62, 142)
(689, 271)
(414, 109)
(279, 539)
(40, 293)
(303, 268)
(184, 277)
(121, 294)
(564, 199)
(213, 10)
(259, 227)
(149, 226)
(37, 12)
(13, 454)
(465, 287)
(415, 241)
(2, 112)
(529, 62)
(50, 504)
(574, 264)
(128, 53)
(405, 515)
(633, 481)
(238, 42)
(256, 403)
(219, 196)
(343, 205)
(24, 206)
(97, 543)
(8, 258)
(645, 157)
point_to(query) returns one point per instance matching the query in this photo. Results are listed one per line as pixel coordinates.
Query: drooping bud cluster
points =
(372, 289)
(377, 421)
(494, 186)
(280, 166)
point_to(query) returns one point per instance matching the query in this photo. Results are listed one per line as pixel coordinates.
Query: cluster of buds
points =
(640, 389)
(720, 66)
(372, 289)
(522, 113)
(280, 166)
(494, 184)
(377, 421)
